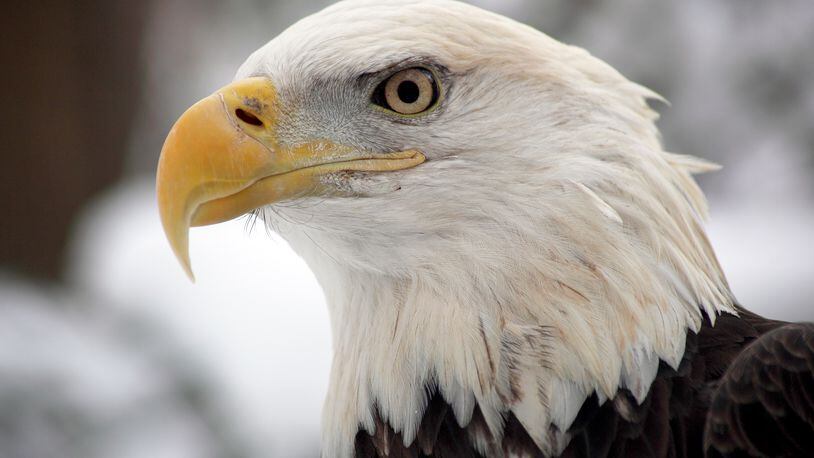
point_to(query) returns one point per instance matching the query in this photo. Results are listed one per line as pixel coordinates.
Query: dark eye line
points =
(373, 78)
(403, 64)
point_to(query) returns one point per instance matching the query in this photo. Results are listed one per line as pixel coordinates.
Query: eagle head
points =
(489, 211)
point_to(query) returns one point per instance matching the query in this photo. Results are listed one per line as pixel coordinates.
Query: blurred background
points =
(106, 350)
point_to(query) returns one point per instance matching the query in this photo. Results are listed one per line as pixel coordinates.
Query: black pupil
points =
(408, 91)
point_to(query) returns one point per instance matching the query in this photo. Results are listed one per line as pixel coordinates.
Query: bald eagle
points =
(513, 264)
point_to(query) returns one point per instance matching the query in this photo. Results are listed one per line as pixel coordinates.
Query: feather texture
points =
(764, 405)
(539, 283)
(753, 391)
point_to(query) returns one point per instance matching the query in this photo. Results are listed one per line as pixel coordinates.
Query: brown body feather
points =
(745, 387)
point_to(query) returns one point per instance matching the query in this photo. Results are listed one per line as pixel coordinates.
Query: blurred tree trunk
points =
(70, 82)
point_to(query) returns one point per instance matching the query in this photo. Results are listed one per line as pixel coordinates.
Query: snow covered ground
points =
(79, 381)
(767, 253)
(255, 319)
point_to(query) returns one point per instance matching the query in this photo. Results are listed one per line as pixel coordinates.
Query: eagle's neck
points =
(528, 312)
(398, 341)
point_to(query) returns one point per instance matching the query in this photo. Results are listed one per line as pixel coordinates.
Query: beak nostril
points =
(248, 118)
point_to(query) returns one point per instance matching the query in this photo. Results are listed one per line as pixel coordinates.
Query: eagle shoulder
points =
(764, 403)
(738, 379)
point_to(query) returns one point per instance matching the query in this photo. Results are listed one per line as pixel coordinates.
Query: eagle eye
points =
(408, 92)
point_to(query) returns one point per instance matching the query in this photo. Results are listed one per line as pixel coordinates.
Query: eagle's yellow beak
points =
(222, 159)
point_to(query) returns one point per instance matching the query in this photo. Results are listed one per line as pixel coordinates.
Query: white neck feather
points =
(549, 249)
(531, 317)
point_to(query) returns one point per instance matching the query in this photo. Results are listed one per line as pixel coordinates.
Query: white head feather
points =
(548, 249)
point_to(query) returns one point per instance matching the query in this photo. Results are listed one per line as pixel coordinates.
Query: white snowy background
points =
(130, 359)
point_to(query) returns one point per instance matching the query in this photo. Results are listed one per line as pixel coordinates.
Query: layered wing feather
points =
(764, 404)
